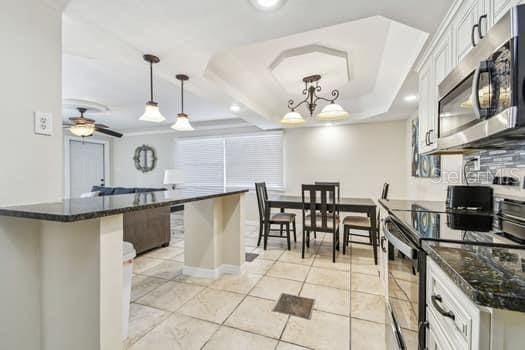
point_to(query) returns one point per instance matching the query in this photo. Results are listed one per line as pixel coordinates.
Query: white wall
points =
(361, 156)
(123, 171)
(32, 170)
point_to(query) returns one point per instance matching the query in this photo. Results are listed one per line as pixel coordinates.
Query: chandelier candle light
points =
(183, 122)
(331, 112)
(152, 112)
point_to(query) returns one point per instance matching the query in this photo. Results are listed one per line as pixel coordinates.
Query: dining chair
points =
(284, 220)
(363, 223)
(319, 213)
(338, 192)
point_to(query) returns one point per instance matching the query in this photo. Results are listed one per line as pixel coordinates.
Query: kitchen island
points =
(77, 285)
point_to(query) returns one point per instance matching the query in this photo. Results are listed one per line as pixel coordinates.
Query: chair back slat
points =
(335, 183)
(319, 210)
(262, 196)
(384, 192)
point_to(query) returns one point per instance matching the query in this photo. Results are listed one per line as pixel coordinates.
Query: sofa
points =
(146, 229)
(108, 191)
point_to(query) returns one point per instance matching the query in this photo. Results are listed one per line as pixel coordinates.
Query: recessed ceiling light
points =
(235, 108)
(267, 5)
(410, 98)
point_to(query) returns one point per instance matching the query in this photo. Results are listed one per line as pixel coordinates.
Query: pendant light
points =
(332, 112)
(152, 113)
(183, 122)
(292, 118)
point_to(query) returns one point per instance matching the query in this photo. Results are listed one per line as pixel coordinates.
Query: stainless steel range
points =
(408, 225)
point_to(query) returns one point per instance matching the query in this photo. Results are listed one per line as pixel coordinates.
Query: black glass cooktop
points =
(480, 228)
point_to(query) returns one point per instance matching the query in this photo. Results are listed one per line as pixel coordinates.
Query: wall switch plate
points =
(43, 123)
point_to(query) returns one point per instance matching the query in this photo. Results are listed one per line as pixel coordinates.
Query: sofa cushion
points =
(144, 189)
(123, 190)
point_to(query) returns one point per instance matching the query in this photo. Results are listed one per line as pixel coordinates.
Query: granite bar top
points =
(489, 276)
(76, 209)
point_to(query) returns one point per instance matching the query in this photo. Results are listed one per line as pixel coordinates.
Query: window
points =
(239, 160)
(201, 160)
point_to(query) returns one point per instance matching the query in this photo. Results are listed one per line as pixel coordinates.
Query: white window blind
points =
(201, 160)
(254, 158)
(239, 160)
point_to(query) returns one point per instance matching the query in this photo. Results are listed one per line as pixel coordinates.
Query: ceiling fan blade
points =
(67, 125)
(101, 126)
(108, 132)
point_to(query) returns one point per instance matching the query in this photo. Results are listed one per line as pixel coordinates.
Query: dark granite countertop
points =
(489, 276)
(76, 209)
(429, 206)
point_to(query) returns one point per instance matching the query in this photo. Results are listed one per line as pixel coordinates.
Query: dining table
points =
(342, 204)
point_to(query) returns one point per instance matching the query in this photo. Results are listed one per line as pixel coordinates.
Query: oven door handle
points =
(435, 298)
(383, 247)
(398, 242)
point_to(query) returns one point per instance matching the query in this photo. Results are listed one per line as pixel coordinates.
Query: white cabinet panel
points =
(462, 27)
(442, 63)
(425, 105)
(498, 8)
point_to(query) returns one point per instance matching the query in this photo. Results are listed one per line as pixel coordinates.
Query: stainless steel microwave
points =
(482, 101)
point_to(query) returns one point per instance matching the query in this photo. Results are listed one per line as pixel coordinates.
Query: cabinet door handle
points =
(426, 139)
(472, 38)
(383, 248)
(479, 26)
(437, 298)
(430, 132)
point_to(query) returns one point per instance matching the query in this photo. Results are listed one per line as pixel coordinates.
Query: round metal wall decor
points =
(145, 158)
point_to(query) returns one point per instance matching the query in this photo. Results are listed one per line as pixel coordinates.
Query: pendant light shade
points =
(292, 118)
(332, 112)
(183, 121)
(152, 112)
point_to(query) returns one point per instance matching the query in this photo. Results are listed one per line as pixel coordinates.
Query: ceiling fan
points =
(84, 127)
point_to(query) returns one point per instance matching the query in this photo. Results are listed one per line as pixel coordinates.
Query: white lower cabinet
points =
(456, 323)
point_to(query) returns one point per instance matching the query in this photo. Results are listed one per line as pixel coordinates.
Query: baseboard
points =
(224, 269)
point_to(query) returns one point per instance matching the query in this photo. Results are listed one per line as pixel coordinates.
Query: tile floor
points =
(173, 311)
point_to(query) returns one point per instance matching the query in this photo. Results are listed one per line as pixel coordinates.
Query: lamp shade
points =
(332, 112)
(292, 118)
(173, 177)
(182, 123)
(152, 113)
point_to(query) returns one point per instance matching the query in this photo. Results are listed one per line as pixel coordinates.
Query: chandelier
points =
(331, 112)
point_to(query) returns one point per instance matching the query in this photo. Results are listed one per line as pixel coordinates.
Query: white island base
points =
(62, 282)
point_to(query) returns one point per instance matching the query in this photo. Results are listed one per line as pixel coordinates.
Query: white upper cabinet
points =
(465, 27)
(425, 110)
(497, 8)
(442, 65)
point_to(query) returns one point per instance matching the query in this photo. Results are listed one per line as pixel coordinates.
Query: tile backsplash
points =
(497, 163)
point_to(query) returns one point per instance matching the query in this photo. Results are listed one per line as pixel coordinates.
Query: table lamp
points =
(173, 177)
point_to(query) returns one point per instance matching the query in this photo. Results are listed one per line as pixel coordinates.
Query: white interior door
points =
(87, 166)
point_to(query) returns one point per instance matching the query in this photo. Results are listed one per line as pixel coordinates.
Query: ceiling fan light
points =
(182, 123)
(332, 112)
(82, 130)
(152, 113)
